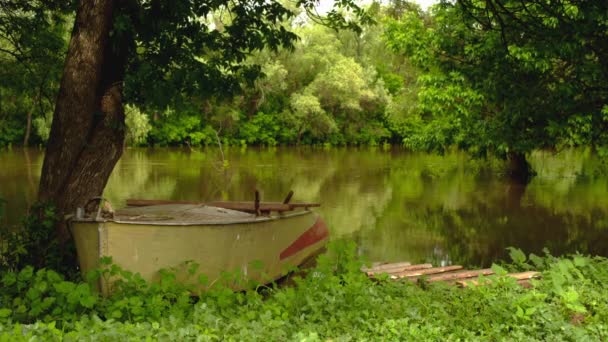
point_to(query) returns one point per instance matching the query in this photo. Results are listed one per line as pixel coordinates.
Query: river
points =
(396, 205)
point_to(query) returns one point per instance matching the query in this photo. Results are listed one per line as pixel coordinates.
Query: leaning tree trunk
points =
(87, 133)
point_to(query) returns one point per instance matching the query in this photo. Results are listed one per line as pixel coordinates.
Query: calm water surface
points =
(395, 204)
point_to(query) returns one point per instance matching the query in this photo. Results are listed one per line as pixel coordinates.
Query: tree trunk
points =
(28, 129)
(518, 168)
(87, 133)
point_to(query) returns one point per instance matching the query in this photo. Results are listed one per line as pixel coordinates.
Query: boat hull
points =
(260, 251)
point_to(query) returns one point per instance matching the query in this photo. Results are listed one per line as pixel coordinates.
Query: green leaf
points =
(537, 261)
(47, 302)
(257, 265)
(42, 286)
(5, 313)
(106, 260)
(88, 301)
(580, 261)
(26, 273)
(203, 280)
(516, 255)
(117, 314)
(193, 268)
(9, 279)
(499, 270)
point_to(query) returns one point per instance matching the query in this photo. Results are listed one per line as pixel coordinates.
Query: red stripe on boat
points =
(312, 235)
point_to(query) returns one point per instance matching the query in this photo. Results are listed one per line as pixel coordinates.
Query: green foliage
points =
(173, 128)
(42, 124)
(189, 53)
(134, 300)
(263, 129)
(29, 295)
(178, 56)
(34, 244)
(308, 117)
(333, 301)
(32, 47)
(316, 94)
(504, 78)
(138, 125)
(10, 132)
(484, 76)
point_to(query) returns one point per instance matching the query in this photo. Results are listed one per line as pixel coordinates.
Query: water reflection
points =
(396, 205)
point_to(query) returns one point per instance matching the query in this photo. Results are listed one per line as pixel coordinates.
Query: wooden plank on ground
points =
(459, 275)
(524, 275)
(384, 265)
(401, 269)
(418, 273)
(522, 278)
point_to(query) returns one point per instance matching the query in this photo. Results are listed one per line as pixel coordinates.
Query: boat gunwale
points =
(253, 220)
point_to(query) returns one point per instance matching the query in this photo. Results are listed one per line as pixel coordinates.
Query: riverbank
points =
(334, 302)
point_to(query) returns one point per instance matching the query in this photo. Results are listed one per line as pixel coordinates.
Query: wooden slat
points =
(144, 203)
(384, 265)
(459, 275)
(524, 275)
(250, 206)
(234, 205)
(521, 278)
(450, 274)
(418, 273)
(401, 269)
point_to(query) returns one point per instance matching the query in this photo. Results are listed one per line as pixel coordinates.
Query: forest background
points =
(502, 80)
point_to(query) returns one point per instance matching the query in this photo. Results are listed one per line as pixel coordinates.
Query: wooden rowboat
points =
(146, 238)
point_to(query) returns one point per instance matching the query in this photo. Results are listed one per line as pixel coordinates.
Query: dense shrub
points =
(34, 243)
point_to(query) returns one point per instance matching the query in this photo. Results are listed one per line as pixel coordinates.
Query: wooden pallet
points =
(454, 274)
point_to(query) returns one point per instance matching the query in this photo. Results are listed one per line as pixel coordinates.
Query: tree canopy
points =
(507, 77)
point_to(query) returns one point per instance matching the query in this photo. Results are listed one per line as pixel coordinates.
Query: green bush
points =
(262, 129)
(138, 126)
(34, 243)
(44, 295)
